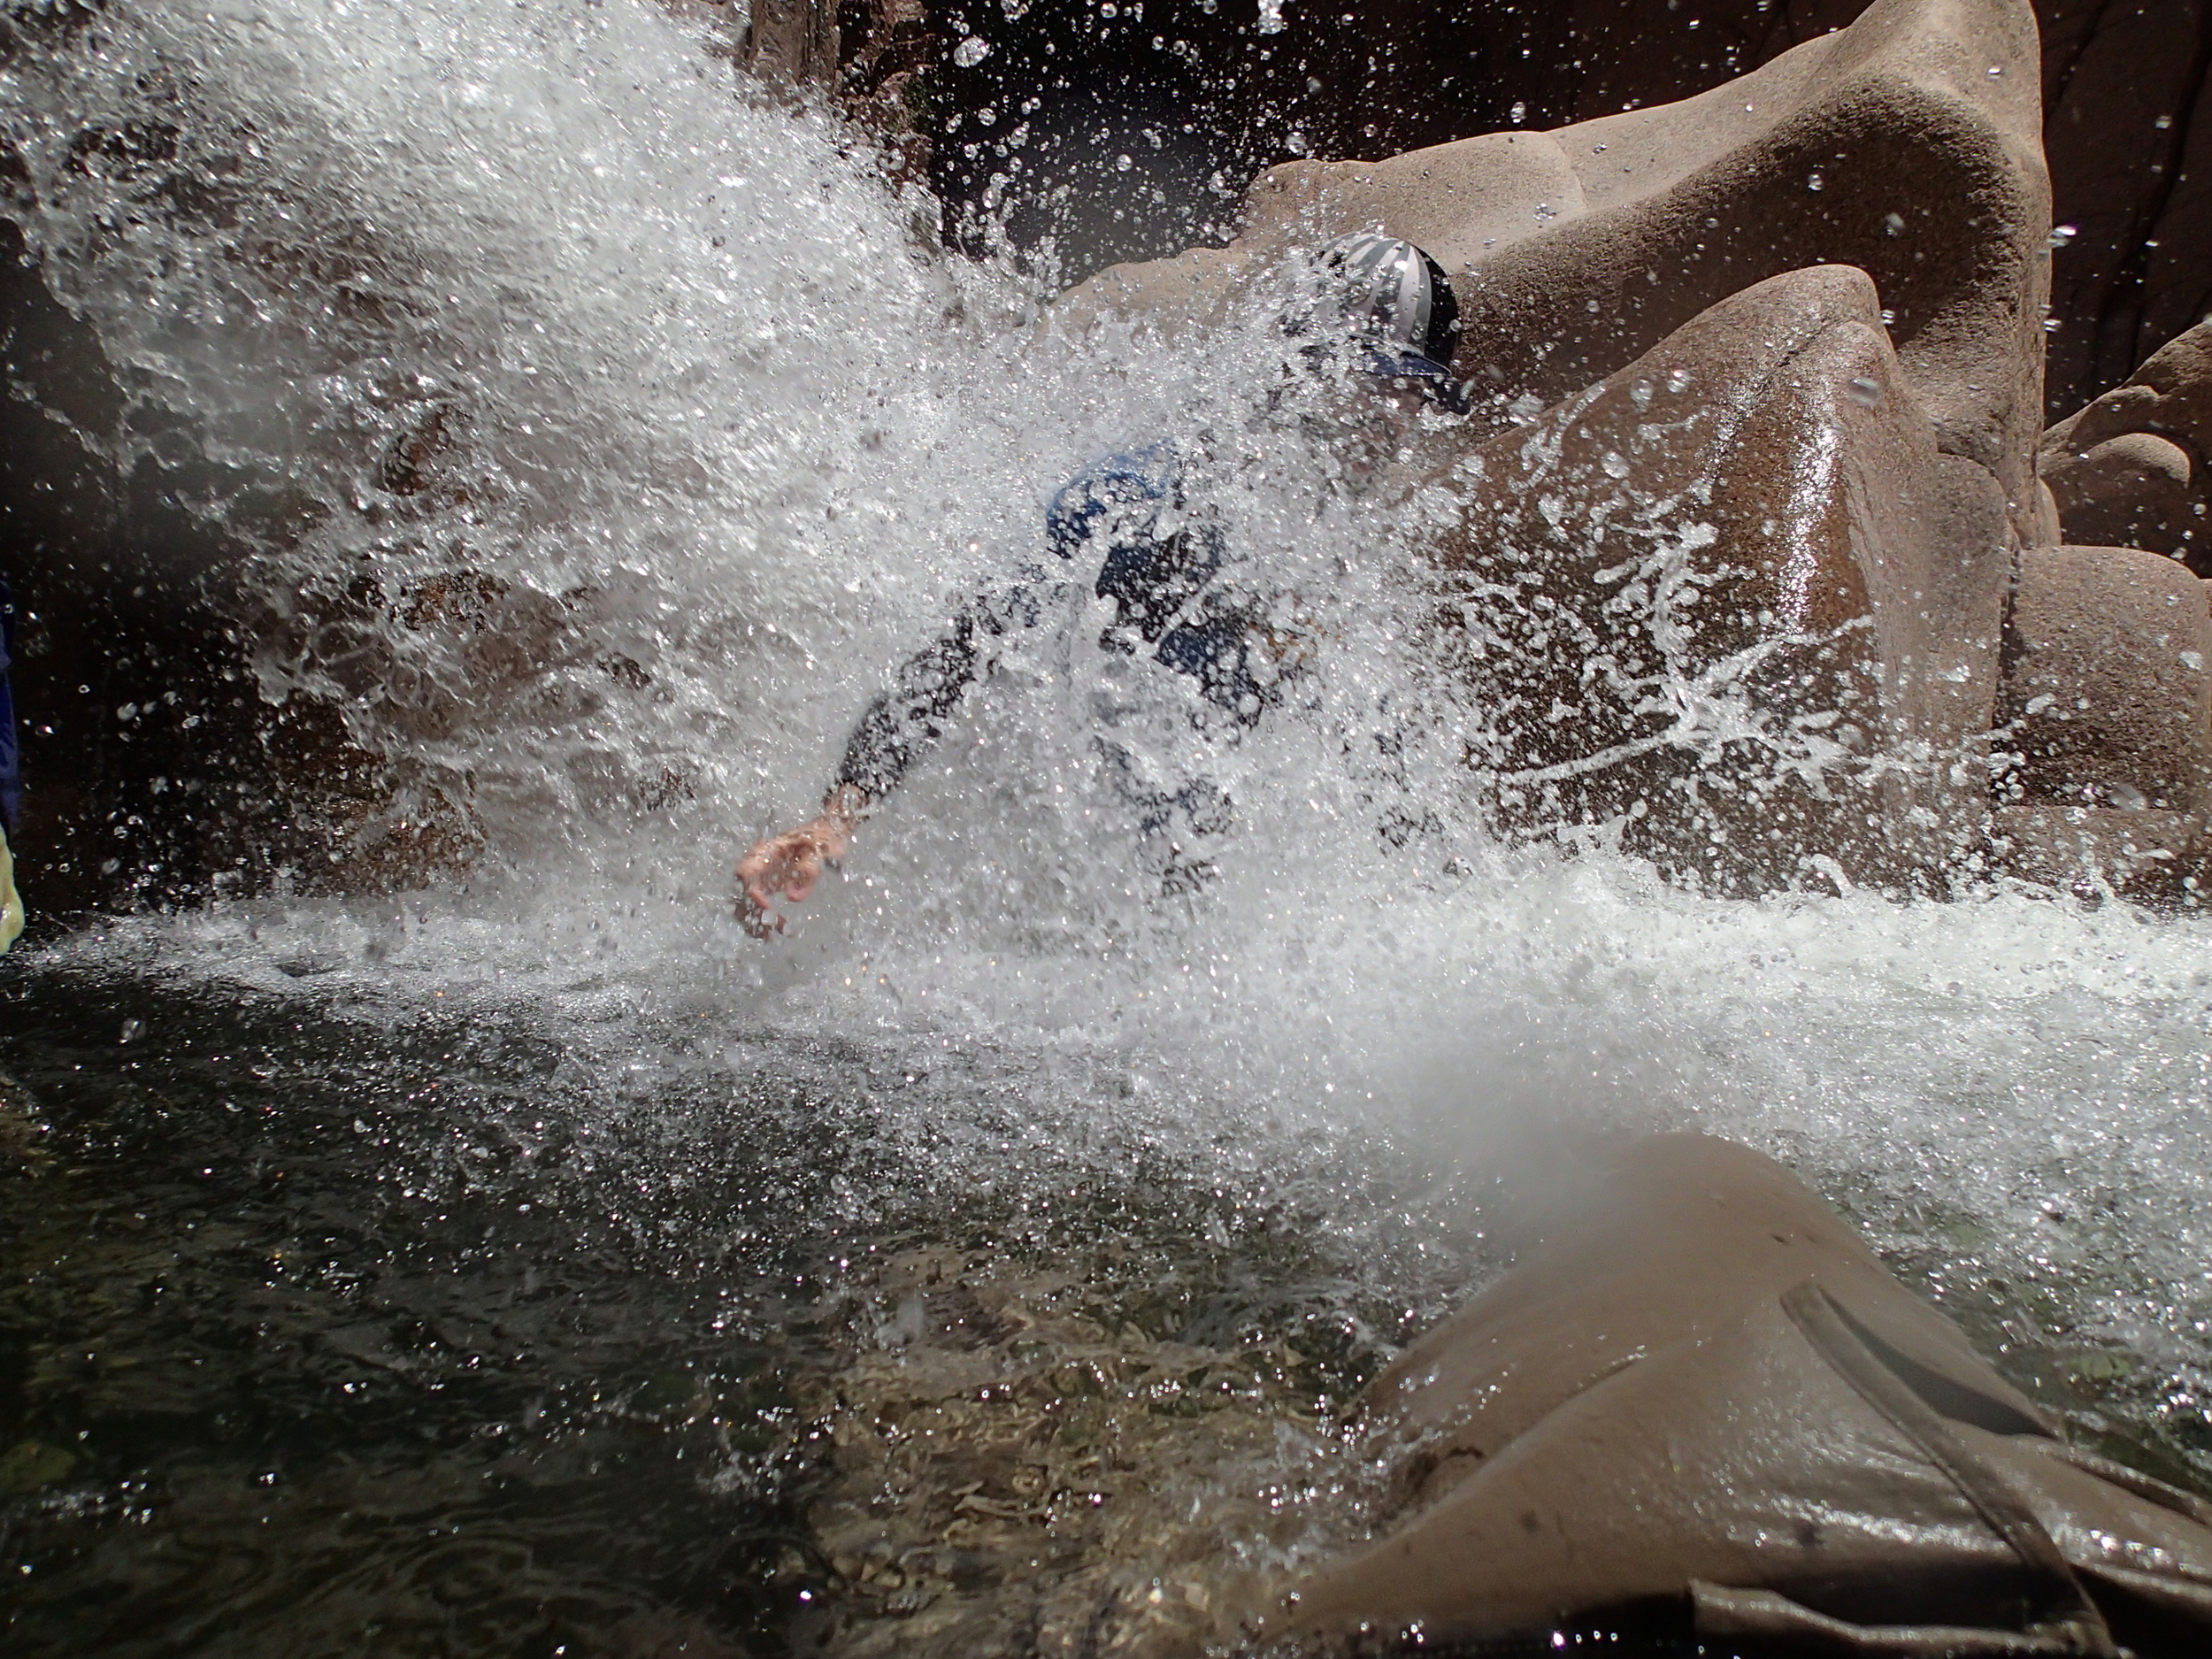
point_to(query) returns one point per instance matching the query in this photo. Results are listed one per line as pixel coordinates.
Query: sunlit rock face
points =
(1232, 88)
(1735, 599)
(1741, 596)
(2128, 470)
(1906, 146)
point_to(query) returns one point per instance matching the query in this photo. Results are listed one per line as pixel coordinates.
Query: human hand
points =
(788, 866)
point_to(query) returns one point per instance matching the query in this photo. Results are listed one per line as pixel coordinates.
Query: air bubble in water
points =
(2061, 234)
(1122, 164)
(975, 48)
(1892, 224)
(1615, 463)
(1865, 393)
(1815, 182)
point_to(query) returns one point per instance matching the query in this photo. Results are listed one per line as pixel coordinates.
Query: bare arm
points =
(787, 867)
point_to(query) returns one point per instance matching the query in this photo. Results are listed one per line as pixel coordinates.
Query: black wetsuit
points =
(1160, 577)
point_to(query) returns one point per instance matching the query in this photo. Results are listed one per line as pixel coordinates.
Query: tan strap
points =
(2073, 1618)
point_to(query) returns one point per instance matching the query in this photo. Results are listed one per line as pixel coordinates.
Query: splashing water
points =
(597, 436)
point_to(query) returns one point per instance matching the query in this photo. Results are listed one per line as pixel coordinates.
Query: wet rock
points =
(2105, 714)
(1907, 144)
(2128, 470)
(2107, 685)
(1698, 1397)
(1735, 599)
(2150, 856)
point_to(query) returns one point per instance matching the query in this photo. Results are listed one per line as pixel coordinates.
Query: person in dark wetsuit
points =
(1403, 322)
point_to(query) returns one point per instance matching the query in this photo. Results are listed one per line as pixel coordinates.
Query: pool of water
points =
(394, 1302)
(419, 1334)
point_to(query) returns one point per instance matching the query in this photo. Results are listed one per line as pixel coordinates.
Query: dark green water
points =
(333, 1327)
(329, 1333)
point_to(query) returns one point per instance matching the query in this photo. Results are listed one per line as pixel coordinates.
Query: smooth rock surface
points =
(1734, 599)
(2128, 470)
(2107, 698)
(1698, 1394)
(1908, 145)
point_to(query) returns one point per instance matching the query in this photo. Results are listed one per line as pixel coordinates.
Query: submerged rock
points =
(1699, 1399)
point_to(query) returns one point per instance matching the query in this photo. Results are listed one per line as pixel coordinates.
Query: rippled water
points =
(533, 1264)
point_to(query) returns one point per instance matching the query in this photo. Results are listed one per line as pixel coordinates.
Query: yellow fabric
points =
(11, 901)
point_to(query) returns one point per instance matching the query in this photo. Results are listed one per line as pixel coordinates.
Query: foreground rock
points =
(1699, 1400)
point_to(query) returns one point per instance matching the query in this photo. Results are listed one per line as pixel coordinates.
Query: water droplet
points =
(2163, 123)
(1865, 393)
(1546, 210)
(1518, 113)
(1677, 379)
(1615, 463)
(1122, 164)
(1892, 224)
(1013, 8)
(971, 51)
(2050, 325)
(2061, 234)
(131, 1028)
(1995, 70)
(1888, 317)
(1814, 182)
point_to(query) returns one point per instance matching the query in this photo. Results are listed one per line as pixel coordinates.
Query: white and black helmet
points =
(1395, 294)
